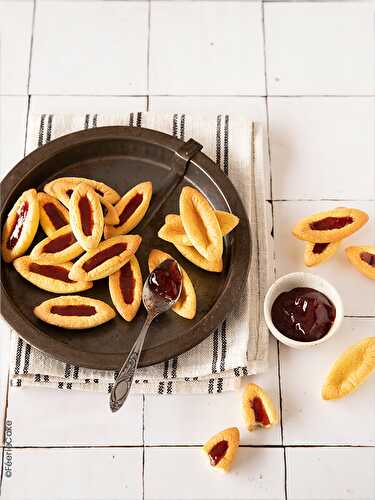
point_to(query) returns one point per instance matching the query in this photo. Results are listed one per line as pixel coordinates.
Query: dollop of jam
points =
(127, 283)
(320, 247)
(55, 272)
(331, 223)
(130, 208)
(55, 216)
(87, 220)
(18, 223)
(259, 411)
(104, 255)
(218, 452)
(303, 314)
(74, 310)
(166, 279)
(60, 243)
(368, 257)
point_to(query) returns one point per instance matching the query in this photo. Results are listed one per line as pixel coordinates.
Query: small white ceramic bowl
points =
(294, 280)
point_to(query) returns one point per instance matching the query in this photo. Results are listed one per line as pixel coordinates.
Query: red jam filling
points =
(331, 223)
(55, 272)
(104, 255)
(59, 243)
(259, 411)
(165, 280)
(78, 310)
(85, 211)
(18, 223)
(369, 258)
(320, 247)
(218, 452)
(303, 314)
(127, 283)
(55, 216)
(130, 208)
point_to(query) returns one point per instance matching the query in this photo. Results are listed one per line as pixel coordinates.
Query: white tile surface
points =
(191, 52)
(15, 33)
(333, 473)
(86, 104)
(72, 418)
(90, 48)
(307, 419)
(322, 147)
(79, 474)
(357, 292)
(177, 420)
(320, 48)
(13, 111)
(186, 473)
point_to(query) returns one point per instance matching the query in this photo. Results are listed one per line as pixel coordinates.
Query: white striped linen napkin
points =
(239, 346)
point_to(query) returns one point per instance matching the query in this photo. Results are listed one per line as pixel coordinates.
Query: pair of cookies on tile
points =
(258, 410)
(198, 231)
(323, 233)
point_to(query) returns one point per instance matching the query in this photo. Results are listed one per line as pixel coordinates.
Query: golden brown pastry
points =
(86, 216)
(74, 312)
(58, 248)
(21, 225)
(53, 214)
(106, 259)
(259, 410)
(131, 209)
(190, 253)
(350, 370)
(63, 187)
(332, 225)
(363, 258)
(317, 253)
(174, 232)
(222, 448)
(53, 278)
(109, 212)
(186, 306)
(125, 287)
(200, 224)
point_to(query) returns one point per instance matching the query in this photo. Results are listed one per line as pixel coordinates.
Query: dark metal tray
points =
(123, 157)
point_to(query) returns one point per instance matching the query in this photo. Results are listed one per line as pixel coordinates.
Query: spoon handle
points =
(124, 380)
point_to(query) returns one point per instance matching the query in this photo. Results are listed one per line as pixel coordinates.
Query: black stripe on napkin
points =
(139, 119)
(211, 385)
(41, 130)
(182, 127)
(49, 128)
(27, 359)
(60, 385)
(75, 372)
(18, 356)
(95, 120)
(219, 385)
(68, 370)
(174, 125)
(87, 121)
(131, 120)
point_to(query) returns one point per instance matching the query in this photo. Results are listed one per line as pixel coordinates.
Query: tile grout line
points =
(143, 446)
(2, 468)
(188, 446)
(148, 49)
(31, 46)
(228, 95)
(285, 476)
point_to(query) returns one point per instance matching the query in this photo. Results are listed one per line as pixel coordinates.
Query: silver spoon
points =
(156, 299)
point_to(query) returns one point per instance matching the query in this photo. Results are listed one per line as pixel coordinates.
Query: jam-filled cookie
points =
(63, 187)
(222, 448)
(363, 258)
(190, 253)
(58, 248)
(125, 287)
(51, 277)
(53, 214)
(21, 225)
(109, 212)
(174, 232)
(106, 259)
(131, 209)
(350, 370)
(200, 224)
(74, 312)
(317, 253)
(329, 226)
(186, 306)
(86, 216)
(258, 408)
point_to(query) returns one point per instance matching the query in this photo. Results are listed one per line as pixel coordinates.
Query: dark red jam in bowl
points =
(303, 314)
(165, 280)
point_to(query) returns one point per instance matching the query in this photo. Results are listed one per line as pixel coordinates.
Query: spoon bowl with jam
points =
(303, 310)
